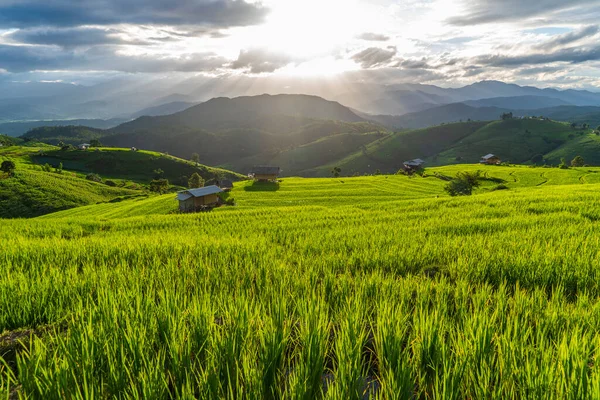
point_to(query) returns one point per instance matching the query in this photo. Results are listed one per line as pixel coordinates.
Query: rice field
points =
(376, 287)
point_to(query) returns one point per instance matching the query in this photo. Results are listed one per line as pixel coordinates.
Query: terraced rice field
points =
(370, 287)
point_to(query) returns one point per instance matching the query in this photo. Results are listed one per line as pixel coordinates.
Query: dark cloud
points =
(74, 37)
(373, 37)
(486, 11)
(374, 56)
(65, 13)
(415, 64)
(568, 38)
(258, 61)
(573, 55)
(104, 58)
(539, 70)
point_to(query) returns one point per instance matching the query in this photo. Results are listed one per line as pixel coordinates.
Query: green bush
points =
(463, 184)
(93, 177)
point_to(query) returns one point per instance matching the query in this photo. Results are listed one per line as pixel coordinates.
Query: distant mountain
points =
(20, 128)
(242, 131)
(458, 112)
(163, 109)
(395, 102)
(518, 102)
(242, 112)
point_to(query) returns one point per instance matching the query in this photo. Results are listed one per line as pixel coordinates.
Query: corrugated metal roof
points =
(487, 156)
(183, 196)
(416, 162)
(205, 191)
(266, 170)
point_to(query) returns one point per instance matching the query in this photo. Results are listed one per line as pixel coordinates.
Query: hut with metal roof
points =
(490, 159)
(198, 199)
(413, 165)
(265, 173)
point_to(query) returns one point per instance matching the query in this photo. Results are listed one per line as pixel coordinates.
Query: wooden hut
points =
(197, 199)
(490, 159)
(413, 165)
(265, 173)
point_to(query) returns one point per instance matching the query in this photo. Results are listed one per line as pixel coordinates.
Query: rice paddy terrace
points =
(367, 287)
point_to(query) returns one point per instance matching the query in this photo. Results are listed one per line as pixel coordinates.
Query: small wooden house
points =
(225, 184)
(265, 173)
(490, 159)
(413, 165)
(196, 199)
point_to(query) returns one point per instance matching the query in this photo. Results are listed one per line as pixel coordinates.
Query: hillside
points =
(326, 275)
(388, 153)
(32, 191)
(516, 140)
(137, 166)
(22, 127)
(69, 134)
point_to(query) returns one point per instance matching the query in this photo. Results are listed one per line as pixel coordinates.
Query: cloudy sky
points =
(443, 42)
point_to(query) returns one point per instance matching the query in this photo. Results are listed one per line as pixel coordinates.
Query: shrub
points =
(500, 187)
(8, 167)
(159, 185)
(111, 183)
(93, 177)
(577, 162)
(46, 168)
(463, 184)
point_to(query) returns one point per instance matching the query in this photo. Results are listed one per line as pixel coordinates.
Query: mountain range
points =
(129, 98)
(308, 135)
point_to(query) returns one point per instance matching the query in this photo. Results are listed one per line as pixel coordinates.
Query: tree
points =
(506, 116)
(336, 171)
(463, 184)
(563, 164)
(195, 158)
(95, 143)
(159, 185)
(8, 167)
(59, 169)
(577, 162)
(195, 181)
(538, 159)
(158, 173)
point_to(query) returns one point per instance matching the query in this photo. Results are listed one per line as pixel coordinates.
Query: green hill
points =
(514, 140)
(388, 153)
(70, 134)
(228, 147)
(33, 191)
(138, 166)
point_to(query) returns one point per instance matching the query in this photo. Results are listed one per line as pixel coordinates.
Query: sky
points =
(544, 43)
